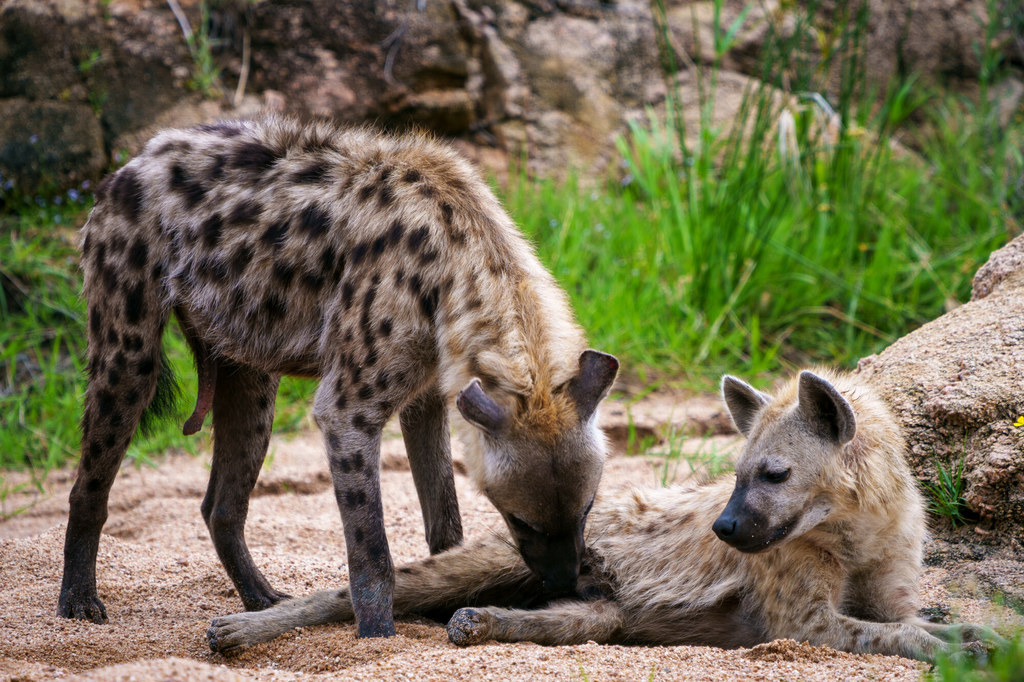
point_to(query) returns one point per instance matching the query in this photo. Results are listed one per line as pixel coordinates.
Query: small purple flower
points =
(57, 201)
(33, 138)
(9, 185)
(86, 185)
(73, 194)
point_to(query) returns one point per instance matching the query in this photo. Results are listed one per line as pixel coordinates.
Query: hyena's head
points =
(793, 448)
(544, 487)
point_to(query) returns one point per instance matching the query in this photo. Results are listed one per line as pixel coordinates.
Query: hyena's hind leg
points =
(567, 622)
(126, 364)
(425, 431)
(243, 413)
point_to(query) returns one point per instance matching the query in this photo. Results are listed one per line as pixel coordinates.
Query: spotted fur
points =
(385, 267)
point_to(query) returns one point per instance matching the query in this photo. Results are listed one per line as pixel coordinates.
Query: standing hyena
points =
(385, 267)
(823, 510)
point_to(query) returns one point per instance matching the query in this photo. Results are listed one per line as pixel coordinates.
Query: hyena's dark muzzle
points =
(745, 528)
(555, 560)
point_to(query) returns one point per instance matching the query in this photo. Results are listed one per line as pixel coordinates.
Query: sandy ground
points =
(162, 583)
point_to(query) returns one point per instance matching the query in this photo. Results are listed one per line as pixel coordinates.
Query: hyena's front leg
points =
(243, 413)
(489, 571)
(568, 622)
(352, 431)
(827, 627)
(427, 441)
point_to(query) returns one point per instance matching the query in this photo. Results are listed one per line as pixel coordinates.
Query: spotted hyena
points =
(385, 267)
(823, 527)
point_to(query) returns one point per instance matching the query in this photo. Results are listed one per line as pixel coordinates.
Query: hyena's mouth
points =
(753, 545)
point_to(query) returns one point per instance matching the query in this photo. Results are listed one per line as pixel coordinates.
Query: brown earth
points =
(162, 583)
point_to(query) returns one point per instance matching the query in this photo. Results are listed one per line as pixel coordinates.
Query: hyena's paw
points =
(83, 608)
(467, 627)
(228, 634)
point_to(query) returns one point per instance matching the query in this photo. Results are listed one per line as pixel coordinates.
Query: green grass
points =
(1004, 664)
(752, 247)
(946, 495)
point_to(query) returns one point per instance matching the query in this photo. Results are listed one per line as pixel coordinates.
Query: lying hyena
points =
(385, 267)
(822, 525)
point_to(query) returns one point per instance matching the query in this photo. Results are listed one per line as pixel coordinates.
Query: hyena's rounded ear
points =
(744, 402)
(828, 412)
(481, 410)
(592, 384)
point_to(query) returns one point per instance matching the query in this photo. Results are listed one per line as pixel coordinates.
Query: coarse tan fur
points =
(848, 579)
(382, 265)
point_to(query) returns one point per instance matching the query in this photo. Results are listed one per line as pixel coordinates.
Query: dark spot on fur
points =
(387, 195)
(283, 273)
(355, 498)
(372, 356)
(357, 461)
(216, 171)
(359, 537)
(415, 284)
(118, 244)
(109, 441)
(215, 269)
(365, 392)
(158, 270)
(222, 128)
(377, 552)
(360, 422)
(348, 290)
(458, 237)
(411, 175)
(314, 281)
(409, 570)
(113, 377)
(342, 402)
(428, 303)
(385, 327)
(446, 213)
(276, 233)
(95, 321)
(428, 256)
(382, 381)
(417, 238)
(112, 337)
(313, 173)
(365, 193)
(240, 259)
(315, 220)
(126, 193)
(191, 190)
(172, 146)
(333, 442)
(133, 342)
(253, 157)
(357, 373)
(106, 402)
(399, 277)
(138, 254)
(131, 397)
(145, 367)
(211, 229)
(428, 191)
(134, 303)
(274, 306)
(359, 253)
(245, 212)
(473, 304)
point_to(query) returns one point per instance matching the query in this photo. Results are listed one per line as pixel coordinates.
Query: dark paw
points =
(87, 608)
(466, 628)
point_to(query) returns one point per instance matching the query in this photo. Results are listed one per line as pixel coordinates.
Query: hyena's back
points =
(276, 240)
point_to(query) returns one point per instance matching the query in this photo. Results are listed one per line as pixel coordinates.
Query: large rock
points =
(957, 385)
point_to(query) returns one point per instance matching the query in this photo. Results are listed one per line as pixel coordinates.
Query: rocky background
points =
(83, 81)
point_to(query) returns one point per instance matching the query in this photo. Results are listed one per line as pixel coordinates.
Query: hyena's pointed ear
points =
(481, 410)
(744, 402)
(828, 412)
(592, 384)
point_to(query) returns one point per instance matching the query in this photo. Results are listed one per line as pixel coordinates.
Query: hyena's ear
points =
(592, 384)
(744, 402)
(481, 410)
(828, 412)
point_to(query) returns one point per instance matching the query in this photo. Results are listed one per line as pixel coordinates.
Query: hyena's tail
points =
(165, 400)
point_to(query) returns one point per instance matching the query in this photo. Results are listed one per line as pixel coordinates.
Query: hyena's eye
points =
(776, 476)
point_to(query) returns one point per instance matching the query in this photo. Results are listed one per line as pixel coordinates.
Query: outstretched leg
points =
(425, 430)
(243, 413)
(486, 572)
(125, 326)
(567, 622)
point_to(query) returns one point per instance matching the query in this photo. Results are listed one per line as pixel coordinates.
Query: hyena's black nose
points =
(724, 527)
